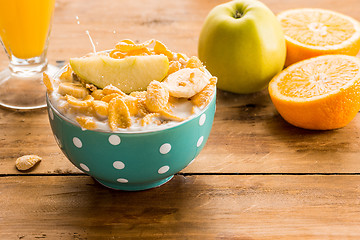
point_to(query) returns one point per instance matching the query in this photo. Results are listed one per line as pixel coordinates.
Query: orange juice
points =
(25, 26)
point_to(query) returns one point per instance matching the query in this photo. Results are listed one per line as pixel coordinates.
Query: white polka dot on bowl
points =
(163, 169)
(199, 142)
(165, 148)
(77, 142)
(114, 140)
(122, 180)
(202, 119)
(84, 167)
(118, 165)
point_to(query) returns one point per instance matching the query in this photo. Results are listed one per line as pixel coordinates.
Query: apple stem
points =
(237, 14)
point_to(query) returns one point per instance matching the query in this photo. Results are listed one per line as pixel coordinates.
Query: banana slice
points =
(157, 96)
(186, 82)
(73, 89)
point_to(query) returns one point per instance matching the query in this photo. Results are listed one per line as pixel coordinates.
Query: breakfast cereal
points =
(186, 90)
(26, 162)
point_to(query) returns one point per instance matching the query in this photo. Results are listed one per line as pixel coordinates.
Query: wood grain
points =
(248, 134)
(191, 207)
(257, 177)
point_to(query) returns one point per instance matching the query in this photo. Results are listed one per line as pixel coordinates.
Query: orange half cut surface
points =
(319, 93)
(311, 32)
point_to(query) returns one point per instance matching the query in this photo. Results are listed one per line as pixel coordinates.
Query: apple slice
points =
(129, 74)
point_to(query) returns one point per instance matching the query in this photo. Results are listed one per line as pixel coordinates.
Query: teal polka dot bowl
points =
(132, 160)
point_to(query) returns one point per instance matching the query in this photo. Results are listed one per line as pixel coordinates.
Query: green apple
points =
(242, 43)
(129, 74)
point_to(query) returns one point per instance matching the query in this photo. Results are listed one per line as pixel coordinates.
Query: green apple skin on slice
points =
(129, 74)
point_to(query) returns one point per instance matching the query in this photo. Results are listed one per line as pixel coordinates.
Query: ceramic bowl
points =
(132, 160)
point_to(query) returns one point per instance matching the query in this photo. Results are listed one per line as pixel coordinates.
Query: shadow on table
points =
(180, 208)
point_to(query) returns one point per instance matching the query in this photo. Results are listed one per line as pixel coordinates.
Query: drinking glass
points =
(24, 32)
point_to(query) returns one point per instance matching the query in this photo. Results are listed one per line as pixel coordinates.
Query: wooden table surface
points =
(257, 177)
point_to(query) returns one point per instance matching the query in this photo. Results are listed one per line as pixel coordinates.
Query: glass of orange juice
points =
(24, 31)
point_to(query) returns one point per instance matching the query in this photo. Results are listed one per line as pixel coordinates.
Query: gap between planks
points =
(195, 174)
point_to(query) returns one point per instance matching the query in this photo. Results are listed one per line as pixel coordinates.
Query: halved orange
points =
(311, 32)
(319, 93)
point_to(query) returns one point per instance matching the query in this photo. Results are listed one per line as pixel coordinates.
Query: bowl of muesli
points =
(132, 136)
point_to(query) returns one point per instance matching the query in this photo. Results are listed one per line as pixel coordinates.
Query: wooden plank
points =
(177, 23)
(191, 207)
(24, 133)
(248, 134)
